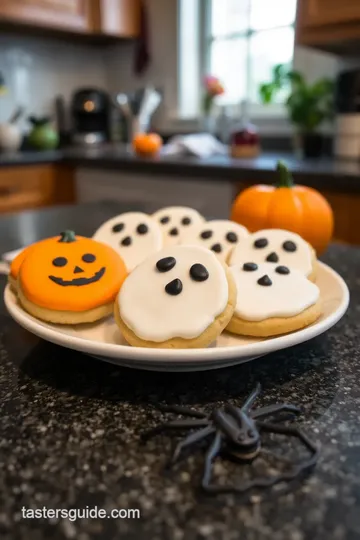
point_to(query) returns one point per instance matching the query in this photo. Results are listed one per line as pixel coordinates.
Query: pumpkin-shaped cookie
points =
(70, 279)
(19, 259)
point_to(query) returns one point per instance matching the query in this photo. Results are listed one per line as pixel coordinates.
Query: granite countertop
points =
(70, 427)
(325, 172)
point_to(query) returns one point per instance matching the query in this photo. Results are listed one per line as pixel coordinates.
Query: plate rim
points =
(183, 356)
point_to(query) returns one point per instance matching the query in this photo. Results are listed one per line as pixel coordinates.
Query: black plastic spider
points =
(237, 434)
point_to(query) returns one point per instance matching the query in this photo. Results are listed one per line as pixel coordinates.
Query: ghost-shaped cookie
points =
(176, 221)
(179, 297)
(276, 246)
(272, 299)
(134, 235)
(219, 235)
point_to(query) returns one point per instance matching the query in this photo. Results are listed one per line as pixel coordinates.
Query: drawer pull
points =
(7, 191)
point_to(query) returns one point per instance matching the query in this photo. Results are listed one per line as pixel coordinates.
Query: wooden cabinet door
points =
(119, 17)
(64, 14)
(329, 12)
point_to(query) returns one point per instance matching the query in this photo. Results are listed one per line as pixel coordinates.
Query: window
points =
(244, 39)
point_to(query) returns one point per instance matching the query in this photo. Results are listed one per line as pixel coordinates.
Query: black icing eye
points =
(273, 257)
(174, 287)
(142, 228)
(166, 264)
(118, 228)
(289, 246)
(60, 261)
(126, 241)
(186, 221)
(216, 248)
(88, 258)
(165, 220)
(284, 270)
(174, 232)
(261, 243)
(265, 281)
(206, 234)
(198, 272)
(250, 267)
(232, 237)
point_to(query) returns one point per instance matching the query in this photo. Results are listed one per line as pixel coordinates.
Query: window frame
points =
(256, 109)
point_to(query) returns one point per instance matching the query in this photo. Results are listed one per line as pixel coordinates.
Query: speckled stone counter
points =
(70, 426)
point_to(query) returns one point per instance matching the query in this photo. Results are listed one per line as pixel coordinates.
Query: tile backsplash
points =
(36, 70)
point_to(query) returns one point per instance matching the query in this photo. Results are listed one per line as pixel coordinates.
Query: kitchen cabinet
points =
(328, 24)
(34, 186)
(75, 15)
(118, 18)
(112, 18)
(212, 199)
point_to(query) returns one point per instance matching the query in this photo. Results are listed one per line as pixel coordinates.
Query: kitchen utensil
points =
(104, 341)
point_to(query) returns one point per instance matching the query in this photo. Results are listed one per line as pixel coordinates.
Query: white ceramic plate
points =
(104, 341)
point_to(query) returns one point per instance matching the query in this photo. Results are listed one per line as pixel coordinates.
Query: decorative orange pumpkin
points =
(300, 209)
(71, 273)
(147, 144)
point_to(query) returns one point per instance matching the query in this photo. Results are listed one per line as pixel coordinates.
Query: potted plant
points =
(308, 105)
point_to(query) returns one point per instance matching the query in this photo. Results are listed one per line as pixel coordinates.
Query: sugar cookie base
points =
(12, 283)
(64, 317)
(203, 340)
(276, 325)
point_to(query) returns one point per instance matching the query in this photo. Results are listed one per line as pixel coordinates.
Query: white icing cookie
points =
(219, 235)
(176, 293)
(133, 235)
(277, 246)
(269, 290)
(175, 221)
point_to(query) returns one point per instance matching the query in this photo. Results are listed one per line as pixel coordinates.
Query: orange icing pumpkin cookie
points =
(19, 259)
(70, 279)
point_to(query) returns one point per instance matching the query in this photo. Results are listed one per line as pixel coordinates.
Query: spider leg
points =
(185, 411)
(263, 412)
(191, 439)
(305, 464)
(175, 424)
(248, 403)
(211, 454)
(262, 483)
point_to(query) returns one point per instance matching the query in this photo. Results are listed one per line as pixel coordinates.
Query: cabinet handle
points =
(7, 191)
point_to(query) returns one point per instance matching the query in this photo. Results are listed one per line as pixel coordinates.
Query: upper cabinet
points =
(332, 25)
(114, 18)
(73, 15)
(119, 17)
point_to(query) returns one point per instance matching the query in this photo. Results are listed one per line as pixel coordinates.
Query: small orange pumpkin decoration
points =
(147, 144)
(71, 273)
(299, 209)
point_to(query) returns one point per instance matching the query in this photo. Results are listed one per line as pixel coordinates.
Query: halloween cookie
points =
(278, 247)
(70, 279)
(220, 235)
(15, 266)
(134, 235)
(176, 221)
(272, 299)
(181, 297)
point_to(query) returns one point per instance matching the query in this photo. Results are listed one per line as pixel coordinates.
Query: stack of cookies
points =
(173, 279)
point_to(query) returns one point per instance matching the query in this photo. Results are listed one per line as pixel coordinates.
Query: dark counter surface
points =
(70, 426)
(326, 172)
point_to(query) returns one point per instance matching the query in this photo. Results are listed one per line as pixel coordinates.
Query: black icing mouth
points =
(78, 282)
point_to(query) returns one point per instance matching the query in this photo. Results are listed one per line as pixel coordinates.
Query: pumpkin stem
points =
(67, 237)
(285, 178)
